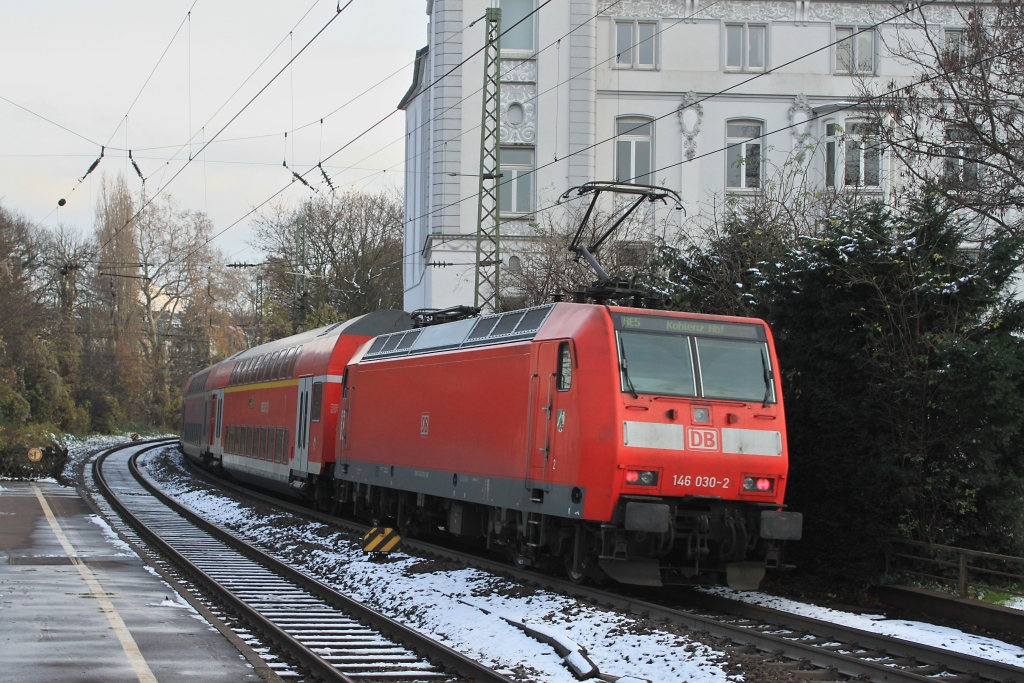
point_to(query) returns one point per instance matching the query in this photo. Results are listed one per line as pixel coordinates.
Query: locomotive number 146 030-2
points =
(700, 482)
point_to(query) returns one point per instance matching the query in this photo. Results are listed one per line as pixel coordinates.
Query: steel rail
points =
(400, 633)
(306, 657)
(967, 666)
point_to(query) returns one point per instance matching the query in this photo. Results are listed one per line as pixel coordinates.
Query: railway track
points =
(329, 635)
(814, 648)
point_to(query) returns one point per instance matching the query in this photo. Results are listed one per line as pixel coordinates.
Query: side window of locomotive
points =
(564, 367)
(318, 393)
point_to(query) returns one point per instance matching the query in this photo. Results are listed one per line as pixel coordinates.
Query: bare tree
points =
(959, 127)
(344, 254)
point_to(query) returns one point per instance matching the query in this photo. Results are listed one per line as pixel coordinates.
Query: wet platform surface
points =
(78, 606)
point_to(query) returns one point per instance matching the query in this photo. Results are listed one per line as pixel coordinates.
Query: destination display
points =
(700, 328)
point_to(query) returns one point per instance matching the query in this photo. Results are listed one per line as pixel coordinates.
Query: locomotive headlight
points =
(701, 415)
(759, 484)
(641, 478)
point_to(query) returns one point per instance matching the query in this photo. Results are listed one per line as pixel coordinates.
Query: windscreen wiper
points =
(767, 380)
(625, 369)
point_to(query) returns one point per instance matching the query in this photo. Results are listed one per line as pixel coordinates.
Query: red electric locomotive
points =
(648, 446)
(644, 445)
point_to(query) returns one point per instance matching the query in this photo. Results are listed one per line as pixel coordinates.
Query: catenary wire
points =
(233, 118)
(906, 10)
(297, 176)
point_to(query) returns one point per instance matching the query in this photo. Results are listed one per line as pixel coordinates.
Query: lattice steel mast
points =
(488, 242)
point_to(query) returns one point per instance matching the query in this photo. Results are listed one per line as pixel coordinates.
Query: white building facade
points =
(698, 96)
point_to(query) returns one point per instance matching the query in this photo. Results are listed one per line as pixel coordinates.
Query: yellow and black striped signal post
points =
(382, 540)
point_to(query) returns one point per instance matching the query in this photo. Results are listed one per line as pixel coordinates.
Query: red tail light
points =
(641, 478)
(759, 484)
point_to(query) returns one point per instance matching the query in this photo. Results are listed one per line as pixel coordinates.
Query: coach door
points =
(300, 459)
(217, 440)
(549, 385)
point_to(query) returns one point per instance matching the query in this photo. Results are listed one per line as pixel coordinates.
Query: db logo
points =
(702, 439)
(424, 424)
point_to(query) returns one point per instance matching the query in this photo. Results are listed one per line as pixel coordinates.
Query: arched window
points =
(634, 157)
(743, 154)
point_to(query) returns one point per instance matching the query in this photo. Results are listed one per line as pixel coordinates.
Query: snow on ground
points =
(1015, 603)
(112, 537)
(80, 448)
(914, 631)
(452, 604)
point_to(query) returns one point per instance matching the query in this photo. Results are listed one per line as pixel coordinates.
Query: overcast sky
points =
(82, 64)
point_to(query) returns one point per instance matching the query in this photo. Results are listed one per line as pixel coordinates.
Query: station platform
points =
(79, 606)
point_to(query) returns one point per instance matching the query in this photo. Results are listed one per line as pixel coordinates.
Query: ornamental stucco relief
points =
(778, 10)
(518, 114)
(690, 114)
(519, 71)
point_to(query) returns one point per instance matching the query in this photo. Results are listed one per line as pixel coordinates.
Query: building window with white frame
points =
(521, 37)
(853, 155)
(636, 44)
(516, 182)
(634, 151)
(855, 50)
(955, 45)
(746, 47)
(832, 142)
(743, 154)
(960, 167)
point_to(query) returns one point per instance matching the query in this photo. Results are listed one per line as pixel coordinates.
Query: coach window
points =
(275, 374)
(314, 410)
(294, 360)
(249, 371)
(269, 367)
(564, 367)
(286, 358)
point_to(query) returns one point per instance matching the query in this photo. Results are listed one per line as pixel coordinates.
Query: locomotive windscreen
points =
(696, 358)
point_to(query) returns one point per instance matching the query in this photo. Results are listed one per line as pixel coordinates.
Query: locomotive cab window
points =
(735, 369)
(564, 367)
(656, 364)
(683, 357)
(314, 409)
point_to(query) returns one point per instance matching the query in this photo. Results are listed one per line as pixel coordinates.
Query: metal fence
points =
(965, 571)
(15, 463)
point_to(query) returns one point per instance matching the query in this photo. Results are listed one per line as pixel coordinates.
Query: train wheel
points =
(575, 576)
(518, 555)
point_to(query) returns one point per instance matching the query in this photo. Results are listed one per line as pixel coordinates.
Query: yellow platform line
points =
(131, 649)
